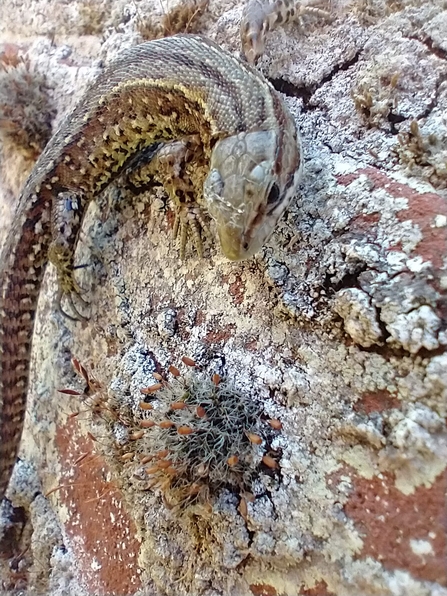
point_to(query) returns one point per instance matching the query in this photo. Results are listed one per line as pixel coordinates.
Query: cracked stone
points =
(359, 316)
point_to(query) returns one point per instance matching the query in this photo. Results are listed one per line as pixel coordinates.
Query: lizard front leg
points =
(181, 167)
(67, 214)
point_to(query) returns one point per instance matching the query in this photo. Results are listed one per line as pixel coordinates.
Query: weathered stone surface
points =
(338, 328)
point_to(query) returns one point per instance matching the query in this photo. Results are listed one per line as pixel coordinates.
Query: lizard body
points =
(183, 89)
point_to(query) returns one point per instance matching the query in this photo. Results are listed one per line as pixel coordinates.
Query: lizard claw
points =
(189, 221)
(68, 286)
(71, 294)
(78, 316)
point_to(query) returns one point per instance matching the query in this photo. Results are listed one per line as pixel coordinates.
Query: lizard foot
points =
(68, 286)
(181, 167)
(77, 315)
(190, 222)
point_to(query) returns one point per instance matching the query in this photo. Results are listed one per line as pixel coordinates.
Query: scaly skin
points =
(183, 87)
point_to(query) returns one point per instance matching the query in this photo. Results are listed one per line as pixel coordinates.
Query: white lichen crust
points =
(337, 329)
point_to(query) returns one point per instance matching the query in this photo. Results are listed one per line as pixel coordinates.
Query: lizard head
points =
(252, 178)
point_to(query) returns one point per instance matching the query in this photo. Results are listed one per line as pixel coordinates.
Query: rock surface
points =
(338, 329)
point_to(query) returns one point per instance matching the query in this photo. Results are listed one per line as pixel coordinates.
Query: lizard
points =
(221, 113)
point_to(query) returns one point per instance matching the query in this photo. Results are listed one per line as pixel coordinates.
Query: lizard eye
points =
(273, 195)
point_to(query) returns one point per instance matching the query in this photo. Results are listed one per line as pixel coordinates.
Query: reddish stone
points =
(183, 322)
(237, 290)
(364, 222)
(100, 531)
(200, 317)
(170, 217)
(252, 345)
(422, 208)
(347, 179)
(11, 53)
(224, 334)
(263, 590)
(319, 589)
(376, 401)
(390, 521)
(398, 190)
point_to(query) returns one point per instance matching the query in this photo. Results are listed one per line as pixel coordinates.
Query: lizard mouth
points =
(241, 242)
(238, 246)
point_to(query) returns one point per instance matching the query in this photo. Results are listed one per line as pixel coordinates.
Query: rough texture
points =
(338, 329)
(229, 150)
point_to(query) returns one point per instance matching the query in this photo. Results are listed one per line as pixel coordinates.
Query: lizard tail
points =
(22, 268)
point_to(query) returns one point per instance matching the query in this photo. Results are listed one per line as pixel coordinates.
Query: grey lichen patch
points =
(167, 322)
(389, 82)
(416, 448)
(436, 382)
(436, 28)
(410, 442)
(30, 536)
(420, 328)
(362, 430)
(46, 541)
(375, 247)
(408, 309)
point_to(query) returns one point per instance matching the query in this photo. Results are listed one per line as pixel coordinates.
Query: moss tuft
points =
(26, 110)
(186, 17)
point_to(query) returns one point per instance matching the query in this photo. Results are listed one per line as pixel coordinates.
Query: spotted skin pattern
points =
(235, 130)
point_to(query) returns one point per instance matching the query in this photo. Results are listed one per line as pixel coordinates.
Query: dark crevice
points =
(12, 541)
(442, 55)
(385, 333)
(305, 92)
(394, 119)
(341, 67)
(434, 102)
(430, 45)
(349, 280)
(291, 90)
(388, 352)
